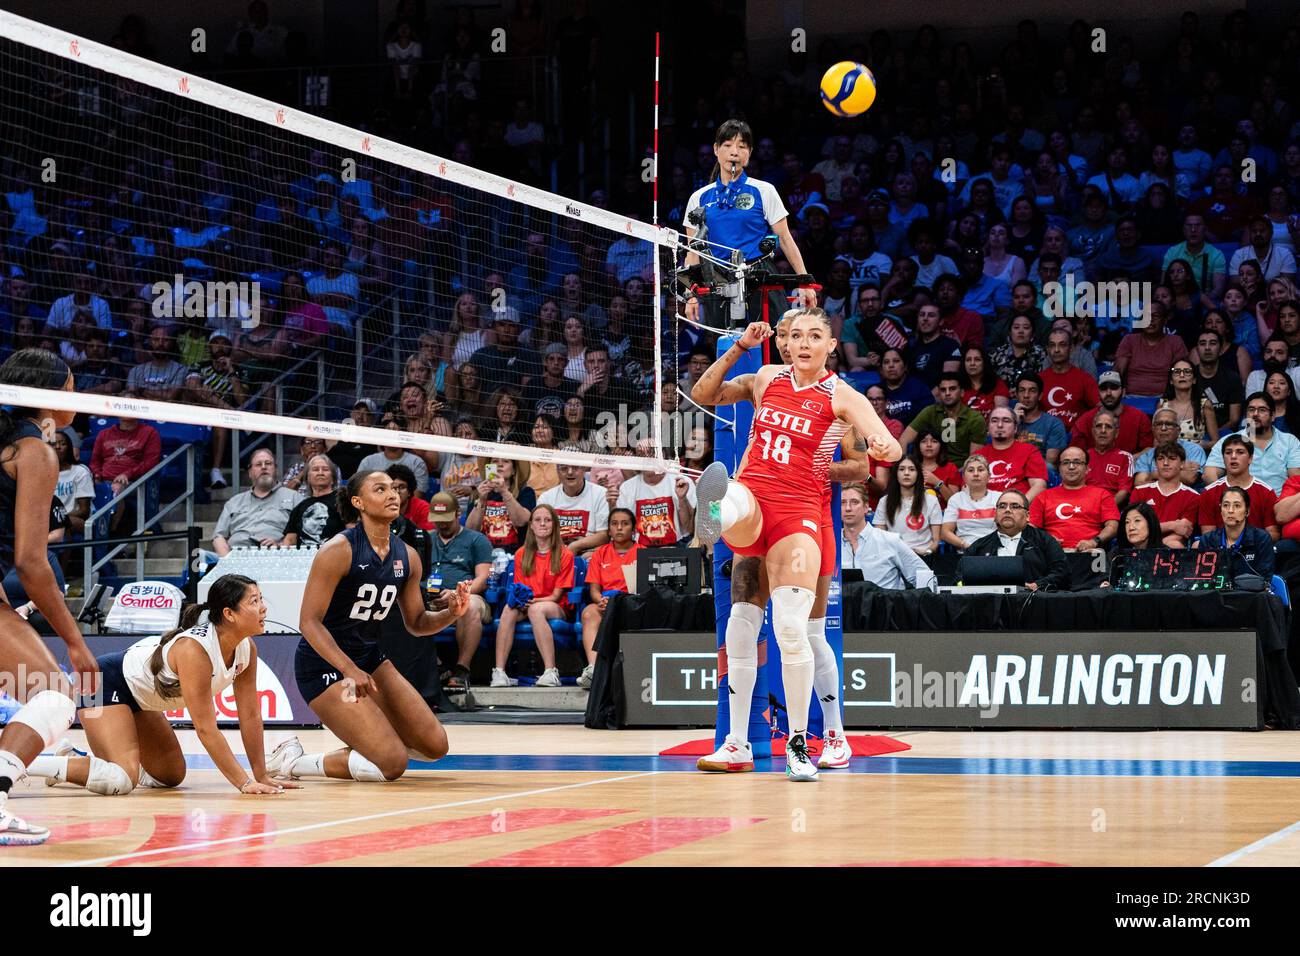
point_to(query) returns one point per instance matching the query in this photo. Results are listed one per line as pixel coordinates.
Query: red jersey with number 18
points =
(792, 441)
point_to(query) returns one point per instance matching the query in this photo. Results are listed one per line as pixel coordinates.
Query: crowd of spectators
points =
(960, 230)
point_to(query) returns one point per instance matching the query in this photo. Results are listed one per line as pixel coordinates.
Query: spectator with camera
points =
(503, 503)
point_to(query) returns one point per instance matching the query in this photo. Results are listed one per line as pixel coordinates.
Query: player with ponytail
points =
(132, 743)
(29, 471)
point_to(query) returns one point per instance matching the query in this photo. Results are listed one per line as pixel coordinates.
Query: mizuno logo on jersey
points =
(784, 420)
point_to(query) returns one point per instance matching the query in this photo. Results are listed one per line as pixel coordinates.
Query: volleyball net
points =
(154, 213)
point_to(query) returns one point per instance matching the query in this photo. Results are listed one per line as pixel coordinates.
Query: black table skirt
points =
(866, 608)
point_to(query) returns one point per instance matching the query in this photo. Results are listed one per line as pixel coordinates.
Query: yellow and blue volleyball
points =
(848, 89)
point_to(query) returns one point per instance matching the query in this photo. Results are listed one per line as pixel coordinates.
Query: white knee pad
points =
(743, 625)
(151, 783)
(108, 779)
(362, 769)
(791, 607)
(49, 713)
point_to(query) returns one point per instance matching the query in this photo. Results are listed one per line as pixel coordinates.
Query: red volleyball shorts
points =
(784, 518)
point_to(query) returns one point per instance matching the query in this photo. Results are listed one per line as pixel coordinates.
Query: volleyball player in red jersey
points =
(774, 507)
(750, 593)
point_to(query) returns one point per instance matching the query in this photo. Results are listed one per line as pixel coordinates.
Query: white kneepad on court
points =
(791, 607)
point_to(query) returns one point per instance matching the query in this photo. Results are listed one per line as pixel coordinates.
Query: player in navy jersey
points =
(29, 471)
(342, 672)
(739, 212)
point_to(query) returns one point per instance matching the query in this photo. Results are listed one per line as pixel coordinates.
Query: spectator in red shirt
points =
(1287, 509)
(1134, 427)
(1176, 506)
(414, 508)
(1080, 516)
(1013, 465)
(122, 453)
(1144, 358)
(125, 451)
(605, 576)
(1109, 466)
(962, 324)
(1237, 455)
(982, 389)
(1068, 391)
(545, 565)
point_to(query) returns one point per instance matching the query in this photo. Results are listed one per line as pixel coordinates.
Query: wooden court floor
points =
(567, 796)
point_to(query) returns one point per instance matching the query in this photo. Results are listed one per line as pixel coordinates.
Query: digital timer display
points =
(1169, 569)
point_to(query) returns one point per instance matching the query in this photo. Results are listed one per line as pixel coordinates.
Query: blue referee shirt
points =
(742, 226)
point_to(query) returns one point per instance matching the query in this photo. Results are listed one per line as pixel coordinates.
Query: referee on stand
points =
(738, 212)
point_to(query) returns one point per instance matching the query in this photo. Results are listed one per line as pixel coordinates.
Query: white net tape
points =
(108, 406)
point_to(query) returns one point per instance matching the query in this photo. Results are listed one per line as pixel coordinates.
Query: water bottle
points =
(500, 560)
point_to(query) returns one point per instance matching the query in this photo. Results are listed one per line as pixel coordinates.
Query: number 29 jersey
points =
(792, 441)
(367, 594)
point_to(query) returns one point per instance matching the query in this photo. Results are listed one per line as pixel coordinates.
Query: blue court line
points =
(940, 766)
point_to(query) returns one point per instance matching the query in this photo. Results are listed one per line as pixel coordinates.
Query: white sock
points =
(826, 676)
(308, 765)
(11, 769)
(56, 768)
(790, 609)
(735, 505)
(743, 626)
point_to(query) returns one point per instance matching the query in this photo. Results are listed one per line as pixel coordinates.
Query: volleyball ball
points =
(848, 89)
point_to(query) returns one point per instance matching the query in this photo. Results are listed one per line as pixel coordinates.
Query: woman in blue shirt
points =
(739, 211)
(1251, 547)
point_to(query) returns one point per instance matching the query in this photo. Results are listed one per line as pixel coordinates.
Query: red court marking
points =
(172, 831)
(624, 843)
(93, 830)
(404, 838)
(990, 861)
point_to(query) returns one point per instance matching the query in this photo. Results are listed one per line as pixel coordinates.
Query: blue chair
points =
(1280, 589)
(566, 633)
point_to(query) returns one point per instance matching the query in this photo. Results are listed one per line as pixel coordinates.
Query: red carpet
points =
(863, 745)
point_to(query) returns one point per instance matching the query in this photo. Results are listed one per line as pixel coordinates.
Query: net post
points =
(729, 442)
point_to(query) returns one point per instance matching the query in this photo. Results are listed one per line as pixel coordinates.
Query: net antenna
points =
(89, 71)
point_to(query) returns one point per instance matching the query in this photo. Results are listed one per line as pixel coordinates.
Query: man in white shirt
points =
(82, 299)
(664, 509)
(881, 556)
(582, 509)
(1274, 260)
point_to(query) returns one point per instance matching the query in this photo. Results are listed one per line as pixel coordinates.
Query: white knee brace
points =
(49, 714)
(108, 779)
(791, 607)
(363, 769)
(743, 625)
